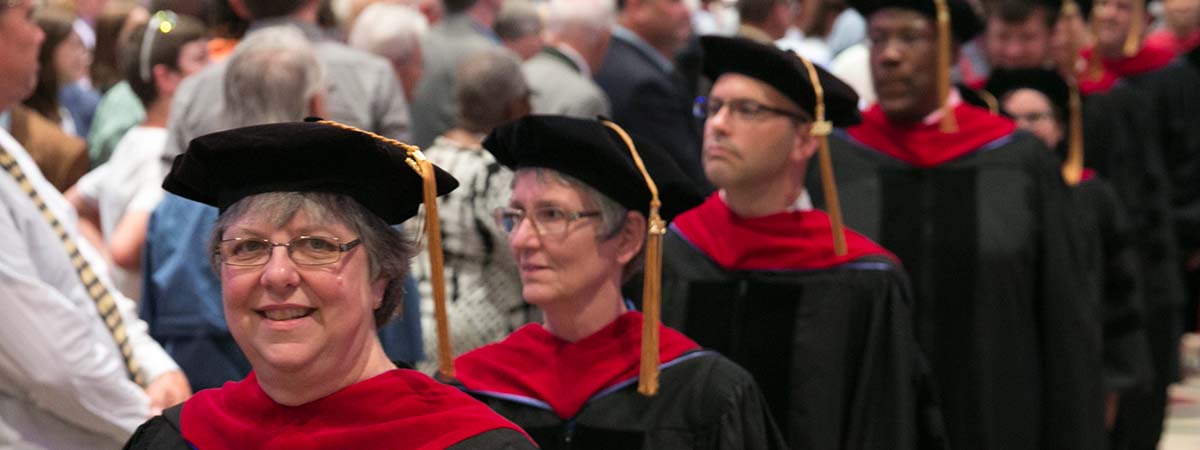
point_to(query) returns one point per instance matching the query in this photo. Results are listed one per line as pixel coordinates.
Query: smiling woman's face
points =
(288, 317)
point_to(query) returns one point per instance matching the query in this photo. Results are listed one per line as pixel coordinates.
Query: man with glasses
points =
(77, 368)
(818, 315)
(983, 222)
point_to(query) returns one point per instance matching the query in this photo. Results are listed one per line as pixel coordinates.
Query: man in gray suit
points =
(361, 89)
(561, 74)
(466, 30)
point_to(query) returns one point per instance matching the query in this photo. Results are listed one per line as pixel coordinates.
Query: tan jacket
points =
(62, 158)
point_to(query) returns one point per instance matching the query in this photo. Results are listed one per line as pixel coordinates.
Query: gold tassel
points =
(821, 129)
(652, 279)
(948, 122)
(1096, 62)
(424, 168)
(1072, 169)
(1133, 40)
(992, 104)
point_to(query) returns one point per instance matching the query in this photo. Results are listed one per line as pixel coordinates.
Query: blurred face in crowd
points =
(903, 61)
(193, 56)
(1113, 19)
(1034, 112)
(746, 145)
(665, 24)
(525, 46)
(71, 59)
(89, 9)
(1182, 16)
(289, 317)
(20, 38)
(409, 72)
(1023, 45)
(562, 255)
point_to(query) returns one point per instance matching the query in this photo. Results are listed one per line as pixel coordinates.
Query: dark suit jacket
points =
(652, 104)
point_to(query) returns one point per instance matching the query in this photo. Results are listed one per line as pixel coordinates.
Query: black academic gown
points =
(831, 347)
(1132, 142)
(1110, 265)
(163, 433)
(418, 394)
(704, 402)
(989, 242)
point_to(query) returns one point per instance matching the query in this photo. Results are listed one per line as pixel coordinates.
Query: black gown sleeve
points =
(498, 439)
(159, 433)
(745, 422)
(1126, 352)
(1070, 341)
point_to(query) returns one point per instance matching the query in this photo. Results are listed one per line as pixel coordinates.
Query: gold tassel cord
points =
(1133, 40)
(1072, 169)
(652, 279)
(424, 168)
(437, 268)
(948, 122)
(821, 129)
(992, 104)
(1095, 64)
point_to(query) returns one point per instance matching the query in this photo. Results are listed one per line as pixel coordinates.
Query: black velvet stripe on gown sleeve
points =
(499, 439)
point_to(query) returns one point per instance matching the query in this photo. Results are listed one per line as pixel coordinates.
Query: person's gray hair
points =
(580, 17)
(485, 85)
(389, 30)
(388, 251)
(516, 20)
(266, 71)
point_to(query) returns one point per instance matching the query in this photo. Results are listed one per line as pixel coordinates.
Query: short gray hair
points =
(485, 85)
(388, 252)
(580, 16)
(266, 71)
(389, 30)
(516, 20)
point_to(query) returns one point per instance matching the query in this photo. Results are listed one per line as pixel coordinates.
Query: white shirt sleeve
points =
(55, 351)
(50, 353)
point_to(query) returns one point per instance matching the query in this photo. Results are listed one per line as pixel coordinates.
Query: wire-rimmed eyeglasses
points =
(303, 250)
(546, 220)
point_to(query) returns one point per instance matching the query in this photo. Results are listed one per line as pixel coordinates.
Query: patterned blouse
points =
(483, 288)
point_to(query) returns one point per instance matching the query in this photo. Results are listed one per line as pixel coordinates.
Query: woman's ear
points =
(632, 237)
(378, 288)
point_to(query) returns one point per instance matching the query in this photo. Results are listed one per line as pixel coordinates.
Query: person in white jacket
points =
(64, 383)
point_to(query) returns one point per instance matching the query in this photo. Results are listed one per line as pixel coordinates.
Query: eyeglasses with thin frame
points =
(741, 109)
(546, 220)
(1033, 117)
(163, 21)
(303, 250)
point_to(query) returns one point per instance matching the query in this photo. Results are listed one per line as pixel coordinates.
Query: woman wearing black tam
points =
(309, 269)
(1039, 100)
(587, 206)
